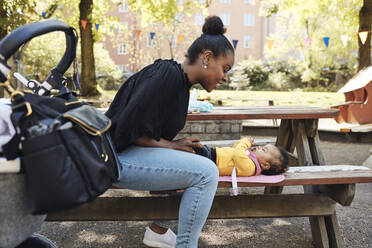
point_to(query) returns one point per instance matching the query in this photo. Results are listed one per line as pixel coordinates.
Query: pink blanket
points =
(255, 179)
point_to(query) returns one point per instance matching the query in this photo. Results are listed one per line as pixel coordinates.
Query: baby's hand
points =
(251, 139)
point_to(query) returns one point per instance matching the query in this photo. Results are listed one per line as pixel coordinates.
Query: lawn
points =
(261, 98)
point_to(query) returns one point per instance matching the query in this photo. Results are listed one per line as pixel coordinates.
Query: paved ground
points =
(355, 221)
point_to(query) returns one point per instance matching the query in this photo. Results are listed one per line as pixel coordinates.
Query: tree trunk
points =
(365, 22)
(88, 71)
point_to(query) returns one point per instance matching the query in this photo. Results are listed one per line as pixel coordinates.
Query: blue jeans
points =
(148, 168)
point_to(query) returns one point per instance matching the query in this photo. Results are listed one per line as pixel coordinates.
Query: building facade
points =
(134, 46)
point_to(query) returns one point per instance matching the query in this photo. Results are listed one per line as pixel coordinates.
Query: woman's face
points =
(216, 71)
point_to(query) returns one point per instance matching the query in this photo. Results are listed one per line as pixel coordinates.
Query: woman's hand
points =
(187, 144)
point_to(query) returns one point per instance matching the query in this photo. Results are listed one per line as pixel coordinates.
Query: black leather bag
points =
(65, 149)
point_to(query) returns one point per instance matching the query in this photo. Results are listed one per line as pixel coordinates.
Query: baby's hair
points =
(212, 39)
(279, 169)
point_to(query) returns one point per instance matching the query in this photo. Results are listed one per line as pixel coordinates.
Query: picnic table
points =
(298, 127)
(323, 186)
(298, 130)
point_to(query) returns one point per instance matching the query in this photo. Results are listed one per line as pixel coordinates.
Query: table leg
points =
(309, 153)
(319, 232)
(335, 240)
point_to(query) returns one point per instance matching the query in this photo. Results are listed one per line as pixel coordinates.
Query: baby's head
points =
(272, 159)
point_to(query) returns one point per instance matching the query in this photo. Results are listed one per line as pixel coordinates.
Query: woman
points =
(147, 113)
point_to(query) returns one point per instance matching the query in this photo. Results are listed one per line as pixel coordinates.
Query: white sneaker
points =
(153, 239)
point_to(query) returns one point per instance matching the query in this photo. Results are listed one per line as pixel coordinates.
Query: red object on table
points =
(358, 103)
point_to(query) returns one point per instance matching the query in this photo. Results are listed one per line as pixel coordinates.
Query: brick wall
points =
(212, 130)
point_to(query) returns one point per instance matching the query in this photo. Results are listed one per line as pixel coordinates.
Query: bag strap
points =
(20, 109)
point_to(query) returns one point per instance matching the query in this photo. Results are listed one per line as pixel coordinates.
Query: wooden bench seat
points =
(129, 207)
(328, 185)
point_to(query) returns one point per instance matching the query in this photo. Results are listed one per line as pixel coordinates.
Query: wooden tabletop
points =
(263, 112)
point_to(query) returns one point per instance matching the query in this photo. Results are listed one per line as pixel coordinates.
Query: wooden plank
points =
(361, 128)
(319, 231)
(302, 143)
(333, 231)
(341, 193)
(270, 112)
(311, 127)
(316, 153)
(285, 136)
(242, 206)
(315, 175)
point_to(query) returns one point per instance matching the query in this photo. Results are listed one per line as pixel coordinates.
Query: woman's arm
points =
(184, 144)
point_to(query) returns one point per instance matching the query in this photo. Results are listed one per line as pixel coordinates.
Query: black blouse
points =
(153, 101)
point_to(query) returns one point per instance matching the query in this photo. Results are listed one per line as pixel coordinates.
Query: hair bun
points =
(213, 25)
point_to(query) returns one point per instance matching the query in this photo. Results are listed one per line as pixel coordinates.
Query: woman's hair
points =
(212, 39)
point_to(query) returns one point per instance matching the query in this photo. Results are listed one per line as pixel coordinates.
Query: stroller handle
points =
(11, 43)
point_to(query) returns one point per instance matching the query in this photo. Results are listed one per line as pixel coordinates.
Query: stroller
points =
(17, 223)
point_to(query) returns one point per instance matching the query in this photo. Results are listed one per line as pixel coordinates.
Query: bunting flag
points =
(179, 39)
(97, 26)
(84, 23)
(326, 41)
(152, 34)
(344, 39)
(307, 42)
(363, 36)
(235, 43)
(138, 33)
(43, 14)
(270, 44)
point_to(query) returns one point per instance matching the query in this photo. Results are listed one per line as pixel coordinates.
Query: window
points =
(248, 1)
(248, 41)
(122, 49)
(178, 17)
(123, 26)
(199, 19)
(149, 60)
(224, 1)
(249, 19)
(123, 6)
(121, 68)
(151, 42)
(225, 19)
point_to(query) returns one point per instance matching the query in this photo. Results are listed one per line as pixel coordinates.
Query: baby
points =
(248, 160)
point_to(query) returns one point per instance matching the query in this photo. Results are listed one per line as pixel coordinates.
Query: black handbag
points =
(65, 149)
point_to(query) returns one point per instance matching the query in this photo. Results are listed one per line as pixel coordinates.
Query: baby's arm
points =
(245, 167)
(245, 142)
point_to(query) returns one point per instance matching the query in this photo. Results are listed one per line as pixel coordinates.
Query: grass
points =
(261, 98)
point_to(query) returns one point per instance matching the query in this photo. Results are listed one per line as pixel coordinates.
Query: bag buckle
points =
(27, 105)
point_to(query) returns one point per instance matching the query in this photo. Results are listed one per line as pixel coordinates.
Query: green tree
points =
(167, 19)
(317, 19)
(365, 23)
(164, 12)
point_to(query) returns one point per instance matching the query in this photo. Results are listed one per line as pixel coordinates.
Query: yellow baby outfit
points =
(240, 156)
